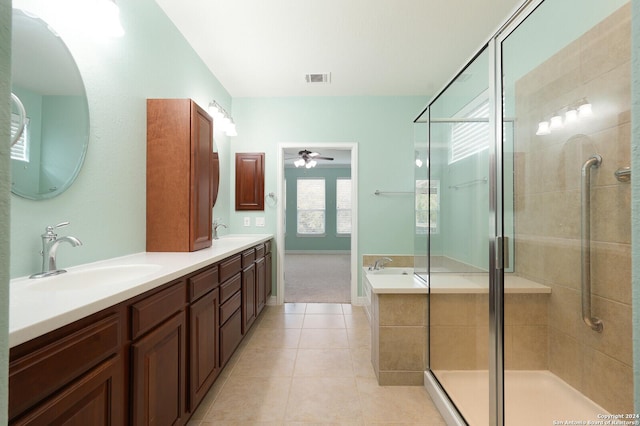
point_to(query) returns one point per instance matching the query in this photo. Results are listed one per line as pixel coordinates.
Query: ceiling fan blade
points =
(323, 158)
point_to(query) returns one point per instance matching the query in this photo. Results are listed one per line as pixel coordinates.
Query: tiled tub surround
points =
(547, 210)
(33, 313)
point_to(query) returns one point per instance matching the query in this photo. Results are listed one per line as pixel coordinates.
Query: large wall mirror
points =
(46, 79)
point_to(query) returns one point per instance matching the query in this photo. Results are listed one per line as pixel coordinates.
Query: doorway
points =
(287, 154)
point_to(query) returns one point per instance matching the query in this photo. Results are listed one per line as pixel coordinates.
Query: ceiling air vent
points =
(318, 78)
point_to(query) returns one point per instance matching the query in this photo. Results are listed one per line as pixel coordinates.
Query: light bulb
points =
(556, 122)
(299, 162)
(231, 129)
(585, 110)
(571, 115)
(543, 128)
(418, 162)
(213, 108)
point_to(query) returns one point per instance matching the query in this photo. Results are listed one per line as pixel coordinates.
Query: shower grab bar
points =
(623, 174)
(585, 249)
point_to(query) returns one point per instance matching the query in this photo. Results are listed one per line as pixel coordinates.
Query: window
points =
(311, 207)
(20, 150)
(471, 137)
(427, 206)
(343, 206)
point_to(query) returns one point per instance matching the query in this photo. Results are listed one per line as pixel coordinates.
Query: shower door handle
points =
(585, 247)
(502, 245)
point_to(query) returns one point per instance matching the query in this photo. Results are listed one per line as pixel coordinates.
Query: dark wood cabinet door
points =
(204, 346)
(248, 297)
(201, 177)
(96, 398)
(268, 271)
(261, 285)
(159, 375)
(250, 181)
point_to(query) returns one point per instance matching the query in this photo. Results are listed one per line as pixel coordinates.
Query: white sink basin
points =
(88, 279)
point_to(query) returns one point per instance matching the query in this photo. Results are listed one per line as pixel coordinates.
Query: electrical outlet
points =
(260, 222)
(247, 221)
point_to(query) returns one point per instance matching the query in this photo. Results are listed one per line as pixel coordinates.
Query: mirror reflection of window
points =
(20, 150)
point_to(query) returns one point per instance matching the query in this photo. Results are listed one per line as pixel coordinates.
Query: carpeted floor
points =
(317, 278)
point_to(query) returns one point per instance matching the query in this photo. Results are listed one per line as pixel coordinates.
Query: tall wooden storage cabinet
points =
(180, 178)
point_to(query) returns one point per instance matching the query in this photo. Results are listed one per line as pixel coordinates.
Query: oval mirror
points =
(46, 79)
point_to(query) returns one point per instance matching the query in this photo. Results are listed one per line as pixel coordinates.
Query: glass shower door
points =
(566, 132)
(459, 217)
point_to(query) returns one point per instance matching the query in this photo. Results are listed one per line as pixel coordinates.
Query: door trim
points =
(280, 229)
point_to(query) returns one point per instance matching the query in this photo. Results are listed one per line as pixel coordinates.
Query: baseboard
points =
(360, 301)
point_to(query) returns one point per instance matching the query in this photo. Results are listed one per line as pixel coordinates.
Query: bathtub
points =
(533, 398)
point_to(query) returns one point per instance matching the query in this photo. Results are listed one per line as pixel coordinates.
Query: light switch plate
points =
(247, 221)
(260, 222)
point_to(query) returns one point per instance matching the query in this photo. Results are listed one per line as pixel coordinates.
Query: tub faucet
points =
(50, 243)
(379, 263)
(216, 225)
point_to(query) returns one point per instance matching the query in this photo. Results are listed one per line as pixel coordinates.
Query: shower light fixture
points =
(572, 113)
(543, 128)
(224, 122)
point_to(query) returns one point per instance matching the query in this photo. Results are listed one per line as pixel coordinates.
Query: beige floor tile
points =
(251, 399)
(324, 400)
(323, 321)
(396, 404)
(324, 363)
(324, 308)
(362, 366)
(323, 338)
(275, 338)
(357, 320)
(281, 320)
(359, 337)
(261, 362)
(295, 308)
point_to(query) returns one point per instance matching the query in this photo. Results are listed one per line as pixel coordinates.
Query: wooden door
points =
(268, 270)
(248, 297)
(201, 178)
(261, 285)
(250, 181)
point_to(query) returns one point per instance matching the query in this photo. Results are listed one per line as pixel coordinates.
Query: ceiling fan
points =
(309, 159)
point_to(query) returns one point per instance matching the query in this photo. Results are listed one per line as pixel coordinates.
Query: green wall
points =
(106, 205)
(330, 241)
(5, 180)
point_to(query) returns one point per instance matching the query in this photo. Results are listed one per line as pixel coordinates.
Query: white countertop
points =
(38, 306)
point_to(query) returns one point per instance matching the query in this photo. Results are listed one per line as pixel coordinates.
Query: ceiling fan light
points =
(311, 164)
(299, 162)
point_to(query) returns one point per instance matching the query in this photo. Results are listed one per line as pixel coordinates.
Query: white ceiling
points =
(264, 48)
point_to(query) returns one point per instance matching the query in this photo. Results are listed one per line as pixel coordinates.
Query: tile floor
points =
(310, 363)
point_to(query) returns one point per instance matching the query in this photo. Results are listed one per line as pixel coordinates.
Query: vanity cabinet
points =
(158, 358)
(180, 175)
(74, 375)
(148, 360)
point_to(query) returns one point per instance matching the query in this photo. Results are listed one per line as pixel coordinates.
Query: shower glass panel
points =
(566, 97)
(459, 137)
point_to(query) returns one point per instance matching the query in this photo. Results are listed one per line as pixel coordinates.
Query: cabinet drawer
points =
(248, 257)
(260, 251)
(230, 337)
(201, 284)
(267, 247)
(37, 375)
(230, 267)
(151, 311)
(228, 288)
(229, 307)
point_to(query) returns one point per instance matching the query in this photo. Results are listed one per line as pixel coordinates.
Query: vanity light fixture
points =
(224, 122)
(572, 113)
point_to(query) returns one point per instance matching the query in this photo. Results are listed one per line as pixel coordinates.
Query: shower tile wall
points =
(547, 207)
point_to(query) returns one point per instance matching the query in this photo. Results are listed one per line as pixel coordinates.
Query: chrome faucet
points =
(50, 243)
(380, 263)
(216, 225)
